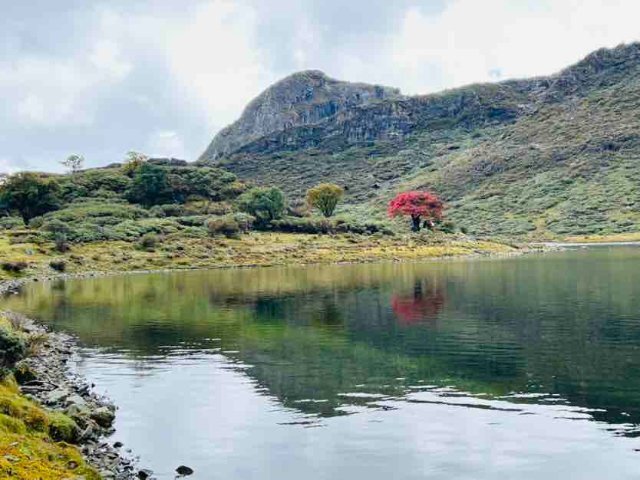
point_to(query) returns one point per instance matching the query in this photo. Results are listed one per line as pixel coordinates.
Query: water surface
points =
(469, 369)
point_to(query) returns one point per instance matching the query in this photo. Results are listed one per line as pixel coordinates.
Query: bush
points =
(167, 210)
(226, 226)
(265, 204)
(304, 225)
(148, 242)
(13, 347)
(9, 223)
(58, 265)
(13, 267)
(60, 243)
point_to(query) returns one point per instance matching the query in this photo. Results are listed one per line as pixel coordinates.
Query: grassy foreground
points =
(32, 439)
(253, 249)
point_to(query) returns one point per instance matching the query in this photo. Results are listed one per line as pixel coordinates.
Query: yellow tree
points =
(325, 197)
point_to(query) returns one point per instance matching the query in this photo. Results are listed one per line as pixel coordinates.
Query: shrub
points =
(304, 225)
(244, 221)
(60, 243)
(13, 347)
(58, 265)
(225, 225)
(265, 204)
(167, 210)
(149, 241)
(13, 267)
(9, 223)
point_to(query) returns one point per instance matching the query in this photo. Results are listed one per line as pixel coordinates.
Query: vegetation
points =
(265, 204)
(418, 206)
(73, 162)
(29, 194)
(35, 443)
(535, 159)
(325, 197)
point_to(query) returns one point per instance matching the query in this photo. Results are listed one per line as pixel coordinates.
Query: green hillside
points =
(547, 157)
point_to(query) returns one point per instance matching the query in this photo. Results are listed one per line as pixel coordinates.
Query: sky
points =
(102, 77)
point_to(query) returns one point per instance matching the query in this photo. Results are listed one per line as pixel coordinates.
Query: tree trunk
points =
(415, 220)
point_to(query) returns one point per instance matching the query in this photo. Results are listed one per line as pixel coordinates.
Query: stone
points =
(144, 474)
(184, 470)
(103, 416)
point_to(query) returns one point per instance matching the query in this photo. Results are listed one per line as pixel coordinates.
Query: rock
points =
(56, 396)
(304, 98)
(184, 470)
(76, 400)
(103, 416)
(144, 474)
(117, 445)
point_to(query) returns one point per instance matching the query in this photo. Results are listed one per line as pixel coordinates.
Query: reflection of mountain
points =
(565, 324)
(422, 306)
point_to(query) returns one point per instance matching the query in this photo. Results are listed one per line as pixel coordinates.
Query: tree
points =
(73, 162)
(266, 204)
(150, 186)
(417, 205)
(30, 194)
(324, 197)
(133, 161)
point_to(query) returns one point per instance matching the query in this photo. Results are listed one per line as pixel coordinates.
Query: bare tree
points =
(74, 163)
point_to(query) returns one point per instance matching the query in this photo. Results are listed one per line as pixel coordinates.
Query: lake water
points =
(524, 368)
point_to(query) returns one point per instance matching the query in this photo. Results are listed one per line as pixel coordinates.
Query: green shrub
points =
(304, 225)
(13, 347)
(149, 241)
(10, 223)
(167, 210)
(225, 225)
(60, 242)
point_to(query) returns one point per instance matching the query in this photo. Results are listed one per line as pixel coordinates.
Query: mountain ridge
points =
(472, 145)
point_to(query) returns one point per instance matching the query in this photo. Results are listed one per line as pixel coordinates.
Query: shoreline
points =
(58, 389)
(45, 378)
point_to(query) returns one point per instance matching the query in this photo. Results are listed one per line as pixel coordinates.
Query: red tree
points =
(417, 205)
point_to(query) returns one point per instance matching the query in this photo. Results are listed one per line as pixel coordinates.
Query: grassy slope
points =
(567, 167)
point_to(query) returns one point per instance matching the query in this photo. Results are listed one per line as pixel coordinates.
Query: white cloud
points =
(166, 143)
(470, 40)
(216, 58)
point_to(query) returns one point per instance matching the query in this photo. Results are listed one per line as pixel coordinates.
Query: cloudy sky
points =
(102, 77)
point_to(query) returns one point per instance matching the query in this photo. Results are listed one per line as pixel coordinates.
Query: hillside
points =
(546, 157)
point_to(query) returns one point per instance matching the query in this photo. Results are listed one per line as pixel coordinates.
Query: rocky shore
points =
(46, 377)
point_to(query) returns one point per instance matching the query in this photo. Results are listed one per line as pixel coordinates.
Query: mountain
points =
(542, 157)
(304, 98)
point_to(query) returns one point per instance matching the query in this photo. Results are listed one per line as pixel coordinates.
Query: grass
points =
(253, 249)
(34, 441)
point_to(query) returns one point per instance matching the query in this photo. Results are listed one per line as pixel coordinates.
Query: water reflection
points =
(552, 336)
(422, 306)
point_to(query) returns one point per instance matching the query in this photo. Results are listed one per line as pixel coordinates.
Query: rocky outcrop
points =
(304, 98)
(309, 109)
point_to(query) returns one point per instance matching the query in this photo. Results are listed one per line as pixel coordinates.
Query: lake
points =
(525, 367)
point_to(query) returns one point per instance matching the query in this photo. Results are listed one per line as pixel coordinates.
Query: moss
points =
(12, 425)
(63, 428)
(34, 442)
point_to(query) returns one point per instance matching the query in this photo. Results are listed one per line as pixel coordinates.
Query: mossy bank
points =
(51, 423)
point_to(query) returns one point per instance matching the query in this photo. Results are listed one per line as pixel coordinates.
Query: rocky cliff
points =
(301, 99)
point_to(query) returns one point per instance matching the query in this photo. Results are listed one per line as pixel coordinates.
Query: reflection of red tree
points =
(420, 307)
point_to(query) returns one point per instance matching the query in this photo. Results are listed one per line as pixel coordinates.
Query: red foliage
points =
(416, 204)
